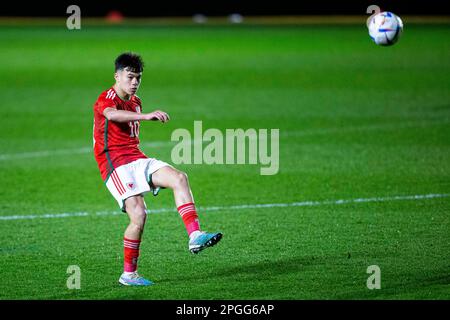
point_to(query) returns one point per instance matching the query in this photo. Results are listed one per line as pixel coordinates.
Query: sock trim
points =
(185, 205)
(132, 244)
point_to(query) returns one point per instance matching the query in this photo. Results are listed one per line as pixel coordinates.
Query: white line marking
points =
(237, 207)
(284, 133)
(63, 152)
(45, 216)
(44, 153)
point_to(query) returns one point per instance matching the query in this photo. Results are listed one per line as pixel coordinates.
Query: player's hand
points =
(158, 115)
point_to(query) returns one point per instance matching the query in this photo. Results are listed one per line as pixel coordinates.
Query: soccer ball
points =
(385, 28)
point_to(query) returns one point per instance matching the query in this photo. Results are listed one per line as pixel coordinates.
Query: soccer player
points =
(129, 174)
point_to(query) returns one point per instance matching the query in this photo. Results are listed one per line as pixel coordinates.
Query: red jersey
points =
(115, 143)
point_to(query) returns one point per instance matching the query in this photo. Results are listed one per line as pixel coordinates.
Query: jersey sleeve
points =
(103, 102)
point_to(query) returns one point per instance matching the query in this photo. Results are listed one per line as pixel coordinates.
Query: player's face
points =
(128, 81)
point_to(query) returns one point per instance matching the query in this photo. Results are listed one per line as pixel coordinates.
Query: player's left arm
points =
(112, 114)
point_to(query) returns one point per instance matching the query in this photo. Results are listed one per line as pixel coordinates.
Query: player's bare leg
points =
(136, 210)
(177, 180)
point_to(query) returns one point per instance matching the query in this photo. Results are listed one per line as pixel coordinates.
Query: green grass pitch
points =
(356, 121)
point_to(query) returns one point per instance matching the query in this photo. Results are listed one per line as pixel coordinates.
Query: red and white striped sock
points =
(131, 254)
(190, 218)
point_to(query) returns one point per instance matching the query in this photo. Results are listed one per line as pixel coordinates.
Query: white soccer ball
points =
(385, 28)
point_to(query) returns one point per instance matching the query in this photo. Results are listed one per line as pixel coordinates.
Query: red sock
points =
(131, 254)
(189, 215)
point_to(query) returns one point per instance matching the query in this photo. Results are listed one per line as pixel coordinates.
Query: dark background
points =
(220, 7)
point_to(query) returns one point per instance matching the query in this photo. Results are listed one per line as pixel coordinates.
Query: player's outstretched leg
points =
(136, 210)
(169, 177)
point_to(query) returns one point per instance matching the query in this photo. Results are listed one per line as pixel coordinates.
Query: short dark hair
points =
(129, 60)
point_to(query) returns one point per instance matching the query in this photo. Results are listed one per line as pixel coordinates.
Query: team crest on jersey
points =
(131, 185)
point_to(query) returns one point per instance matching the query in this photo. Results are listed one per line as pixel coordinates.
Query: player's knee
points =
(137, 212)
(138, 219)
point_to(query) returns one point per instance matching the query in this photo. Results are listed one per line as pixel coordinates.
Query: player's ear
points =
(116, 76)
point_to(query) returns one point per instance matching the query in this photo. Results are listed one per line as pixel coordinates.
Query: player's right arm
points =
(112, 114)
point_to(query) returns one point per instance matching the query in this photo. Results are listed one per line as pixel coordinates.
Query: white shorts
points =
(132, 179)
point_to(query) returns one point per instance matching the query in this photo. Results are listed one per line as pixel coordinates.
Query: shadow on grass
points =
(258, 269)
(407, 286)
